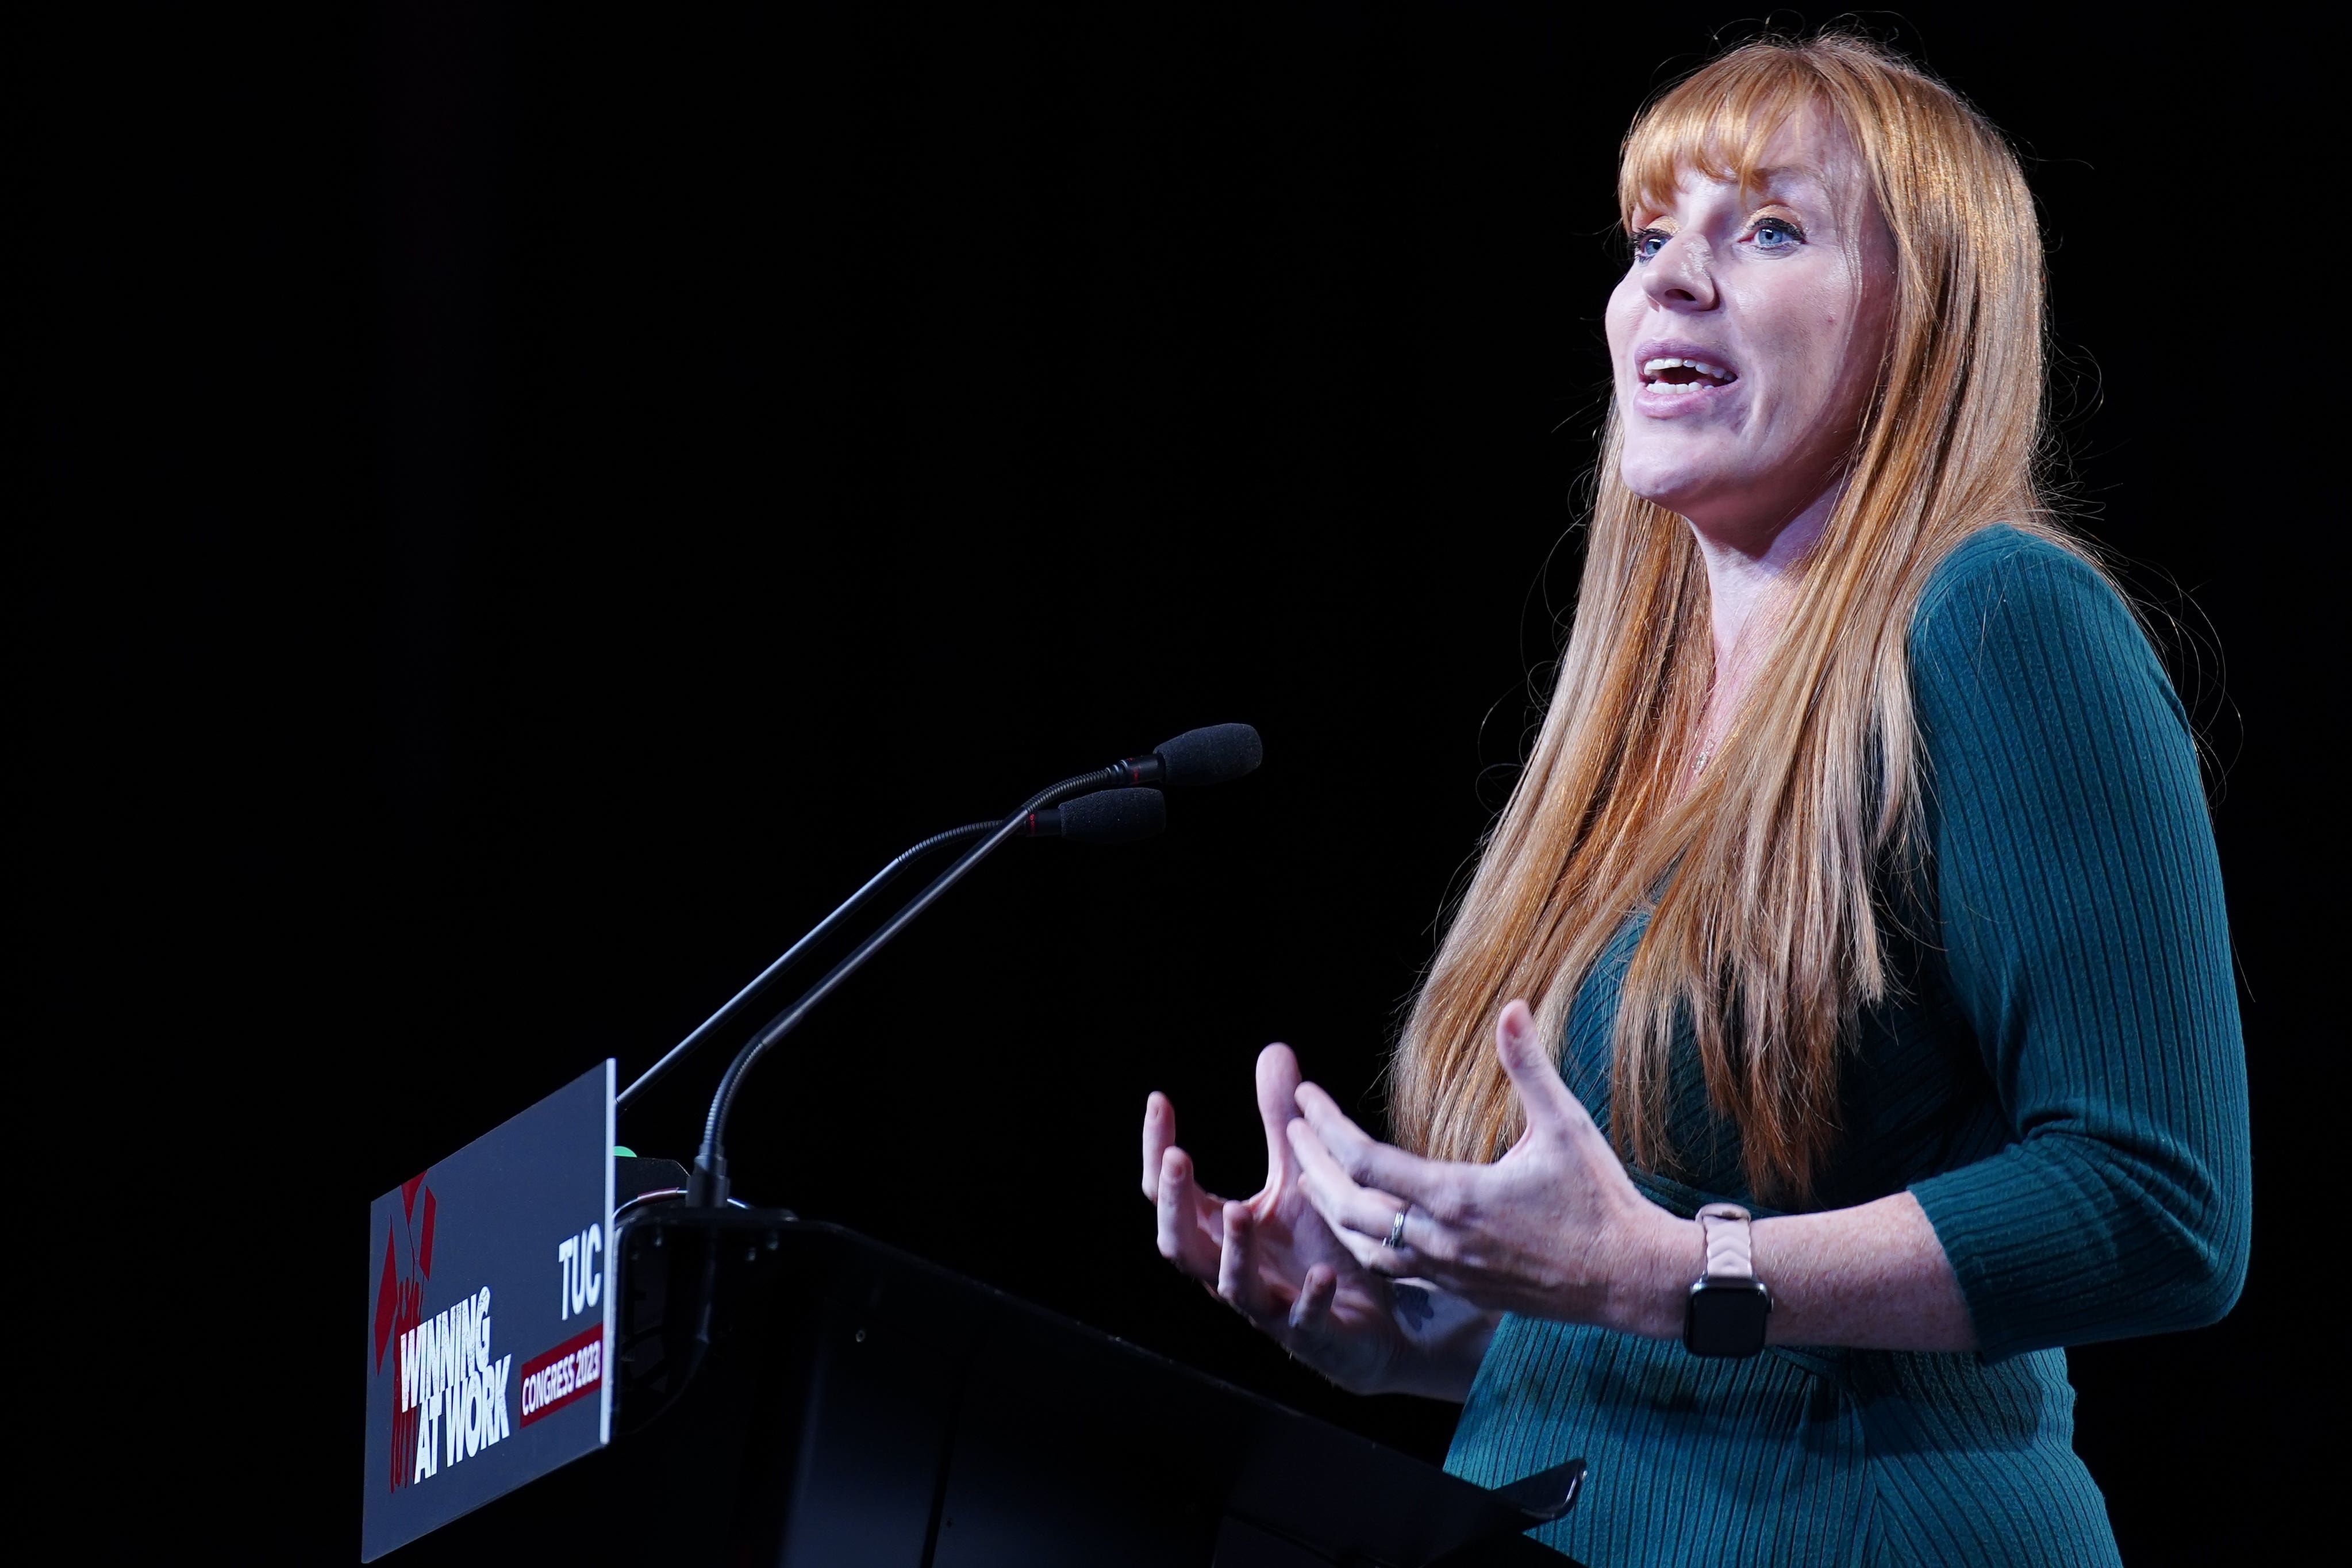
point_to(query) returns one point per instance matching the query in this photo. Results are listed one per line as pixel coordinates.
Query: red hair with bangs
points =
(1762, 881)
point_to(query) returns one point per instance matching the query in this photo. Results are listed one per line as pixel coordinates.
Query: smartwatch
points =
(1727, 1306)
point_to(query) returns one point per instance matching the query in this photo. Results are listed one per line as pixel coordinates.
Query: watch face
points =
(1726, 1318)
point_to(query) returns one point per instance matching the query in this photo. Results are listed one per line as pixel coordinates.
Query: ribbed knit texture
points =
(2061, 1084)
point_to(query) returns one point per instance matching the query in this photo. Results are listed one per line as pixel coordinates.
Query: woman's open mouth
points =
(1681, 377)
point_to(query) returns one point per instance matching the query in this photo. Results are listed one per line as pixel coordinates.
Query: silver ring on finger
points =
(1395, 1237)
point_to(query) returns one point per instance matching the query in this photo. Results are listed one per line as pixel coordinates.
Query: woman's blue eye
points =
(1648, 242)
(1774, 234)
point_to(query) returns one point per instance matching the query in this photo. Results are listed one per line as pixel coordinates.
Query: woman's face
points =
(1782, 295)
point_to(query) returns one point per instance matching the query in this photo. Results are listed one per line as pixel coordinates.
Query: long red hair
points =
(1763, 940)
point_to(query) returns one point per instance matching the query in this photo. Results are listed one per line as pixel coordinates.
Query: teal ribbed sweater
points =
(2061, 1084)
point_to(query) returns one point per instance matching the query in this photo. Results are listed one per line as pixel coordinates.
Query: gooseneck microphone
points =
(1113, 816)
(1206, 756)
(1210, 755)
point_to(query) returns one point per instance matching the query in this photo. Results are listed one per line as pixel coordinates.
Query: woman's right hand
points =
(1272, 1258)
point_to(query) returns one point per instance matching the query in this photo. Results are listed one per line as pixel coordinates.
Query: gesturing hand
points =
(1274, 1260)
(1553, 1229)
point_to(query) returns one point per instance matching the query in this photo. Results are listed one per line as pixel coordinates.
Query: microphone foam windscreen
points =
(1115, 816)
(1212, 755)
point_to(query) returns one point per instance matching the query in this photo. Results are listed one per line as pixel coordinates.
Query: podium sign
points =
(489, 1324)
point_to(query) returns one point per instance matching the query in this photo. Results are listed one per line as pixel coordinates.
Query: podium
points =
(566, 1359)
(703, 1383)
(793, 1394)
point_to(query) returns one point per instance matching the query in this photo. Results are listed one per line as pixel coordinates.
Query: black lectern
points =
(793, 1394)
(683, 1384)
(689, 1381)
(798, 1394)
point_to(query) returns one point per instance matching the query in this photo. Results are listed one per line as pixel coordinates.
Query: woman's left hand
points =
(1553, 1229)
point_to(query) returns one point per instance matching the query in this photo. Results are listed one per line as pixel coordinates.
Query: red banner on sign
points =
(553, 1379)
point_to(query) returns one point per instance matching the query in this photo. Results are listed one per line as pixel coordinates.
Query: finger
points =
(1372, 1257)
(1355, 1214)
(1278, 1103)
(1237, 1276)
(1368, 1161)
(1543, 1094)
(1182, 1239)
(1311, 1313)
(1159, 1134)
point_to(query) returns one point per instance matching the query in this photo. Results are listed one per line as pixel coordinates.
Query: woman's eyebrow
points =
(1791, 186)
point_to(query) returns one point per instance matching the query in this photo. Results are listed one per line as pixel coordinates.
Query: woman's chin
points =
(1674, 486)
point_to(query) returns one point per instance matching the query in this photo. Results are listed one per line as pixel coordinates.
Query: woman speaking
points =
(1841, 1019)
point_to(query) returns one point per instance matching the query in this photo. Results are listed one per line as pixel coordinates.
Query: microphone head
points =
(1114, 817)
(1210, 755)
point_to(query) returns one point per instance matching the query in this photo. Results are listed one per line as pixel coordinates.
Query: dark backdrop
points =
(533, 504)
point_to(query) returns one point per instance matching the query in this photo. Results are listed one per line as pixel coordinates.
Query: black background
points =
(528, 506)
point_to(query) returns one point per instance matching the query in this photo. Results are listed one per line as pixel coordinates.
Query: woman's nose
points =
(1681, 276)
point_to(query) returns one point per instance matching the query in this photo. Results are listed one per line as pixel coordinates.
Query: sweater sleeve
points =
(2079, 899)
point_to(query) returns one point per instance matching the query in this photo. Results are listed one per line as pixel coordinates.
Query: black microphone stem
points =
(707, 1185)
(848, 907)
